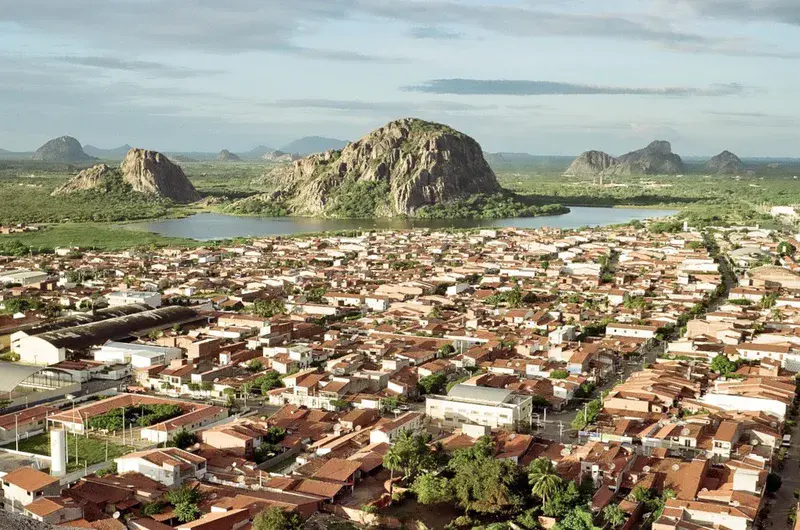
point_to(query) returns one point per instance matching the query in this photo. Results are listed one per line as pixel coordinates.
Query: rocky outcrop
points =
(417, 163)
(590, 164)
(153, 173)
(144, 171)
(227, 156)
(64, 149)
(725, 163)
(280, 157)
(94, 177)
(655, 159)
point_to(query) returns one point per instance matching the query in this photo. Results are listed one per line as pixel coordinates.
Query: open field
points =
(90, 450)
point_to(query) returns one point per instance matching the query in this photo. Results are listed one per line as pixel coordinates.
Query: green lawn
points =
(90, 450)
(100, 236)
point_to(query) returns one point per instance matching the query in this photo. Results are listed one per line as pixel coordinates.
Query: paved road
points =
(784, 501)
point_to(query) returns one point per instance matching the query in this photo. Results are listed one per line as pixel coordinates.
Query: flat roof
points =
(480, 394)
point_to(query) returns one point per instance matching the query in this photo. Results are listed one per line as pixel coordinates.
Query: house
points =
(170, 466)
(491, 407)
(25, 485)
(23, 422)
(118, 298)
(228, 520)
(54, 510)
(387, 432)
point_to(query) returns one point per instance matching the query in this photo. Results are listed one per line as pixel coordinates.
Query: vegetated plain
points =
(89, 219)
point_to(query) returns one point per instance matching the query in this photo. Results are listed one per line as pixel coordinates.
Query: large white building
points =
(490, 407)
(118, 298)
(137, 355)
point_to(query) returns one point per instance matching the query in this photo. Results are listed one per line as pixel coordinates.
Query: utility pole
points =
(16, 431)
(123, 425)
(560, 431)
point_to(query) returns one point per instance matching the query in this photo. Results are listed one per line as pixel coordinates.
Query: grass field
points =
(90, 450)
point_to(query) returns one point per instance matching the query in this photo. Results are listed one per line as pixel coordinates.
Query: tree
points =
(768, 300)
(481, 482)
(543, 478)
(389, 404)
(446, 350)
(255, 366)
(183, 439)
(153, 508)
(414, 453)
(577, 519)
(723, 365)
(276, 518)
(433, 384)
(268, 308)
(614, 516)
(587, 415)
(392, 461)
(564, 500)
(432, 489)
(184, 494)
(186, 512)
(786, 249)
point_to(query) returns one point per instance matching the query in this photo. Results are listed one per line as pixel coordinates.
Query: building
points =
(170, 466)
(52, 347)
(388, 431)
(25, 485)
(118, 298)
(490, 407)
(23, 277)
(137, 355)
(30, 420)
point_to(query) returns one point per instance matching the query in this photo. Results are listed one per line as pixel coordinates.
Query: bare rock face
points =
(88, 179)
(153, 173)
(590, 164)
(146, 172)
(655, 159)
(227, 156)
(725, 163)
(63, 149)
(420, 163)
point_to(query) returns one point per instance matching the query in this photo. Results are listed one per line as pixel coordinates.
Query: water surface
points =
(209, 226)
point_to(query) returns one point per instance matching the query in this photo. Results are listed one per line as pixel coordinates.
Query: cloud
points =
(781, 11)
(434, 32)
(510, 87)
(113, 63)
(395, 107)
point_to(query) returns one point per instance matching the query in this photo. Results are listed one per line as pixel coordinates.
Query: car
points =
(787, 440)
(404, 408)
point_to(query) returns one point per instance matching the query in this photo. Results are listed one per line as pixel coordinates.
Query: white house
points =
(491, 407)
(137, 355)
(170, 466)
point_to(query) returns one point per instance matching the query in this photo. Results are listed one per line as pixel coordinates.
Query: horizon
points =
(531, 76)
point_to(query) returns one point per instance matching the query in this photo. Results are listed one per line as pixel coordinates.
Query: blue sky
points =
(539, 76)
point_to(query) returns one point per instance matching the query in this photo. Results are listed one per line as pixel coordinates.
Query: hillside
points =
(725, 163)
(146, 172)
(63, 149)
(409, 167)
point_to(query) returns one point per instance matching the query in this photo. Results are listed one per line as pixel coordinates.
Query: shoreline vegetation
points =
(93, 219)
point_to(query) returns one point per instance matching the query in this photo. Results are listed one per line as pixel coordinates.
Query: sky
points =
(554, 77)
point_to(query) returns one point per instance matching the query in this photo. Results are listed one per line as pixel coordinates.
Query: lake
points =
(209, 226)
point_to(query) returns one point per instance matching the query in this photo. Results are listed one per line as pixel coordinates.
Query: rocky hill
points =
(655, 159)
(227, 156)
(395, 170)
(117, 153)
(63, 149)
(146, 172)
(590, 164)
(725, 163)
(280, 156)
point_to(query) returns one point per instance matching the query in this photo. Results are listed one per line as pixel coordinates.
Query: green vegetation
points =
(185, 500)
(140, 415)
(269, 447)
(433, 384)
(358, 199)
(268, 308)
(91, 451)
(276, 518)
(183, 439)
(496, 206)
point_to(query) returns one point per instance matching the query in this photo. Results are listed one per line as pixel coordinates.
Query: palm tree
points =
(613, 515)
(393, 462)
(543, 478)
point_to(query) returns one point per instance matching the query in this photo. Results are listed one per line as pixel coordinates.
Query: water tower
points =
(58, 452)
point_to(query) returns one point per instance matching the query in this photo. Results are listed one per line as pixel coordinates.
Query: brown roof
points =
(29, 479)
(337, 470)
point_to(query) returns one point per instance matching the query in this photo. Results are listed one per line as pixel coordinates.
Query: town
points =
(617, 377)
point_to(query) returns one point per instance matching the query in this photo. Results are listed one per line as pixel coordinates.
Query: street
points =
(784, 501)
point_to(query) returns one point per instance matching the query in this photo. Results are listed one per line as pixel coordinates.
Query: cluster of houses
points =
(298, 362)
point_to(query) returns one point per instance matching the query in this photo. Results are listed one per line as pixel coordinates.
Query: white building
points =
(631, 330)
(491, 407)
(170, 466)
(387, 432)
(137, 355)
(22, 277)
(25, 485)
(118, 298)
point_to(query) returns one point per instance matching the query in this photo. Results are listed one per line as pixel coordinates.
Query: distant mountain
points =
(227, 156)
(655, 159)
(725, 163)
(107, 154)
(510, 158)
(590, 164)
(313, 144)
(63, 149)
(256, 153)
